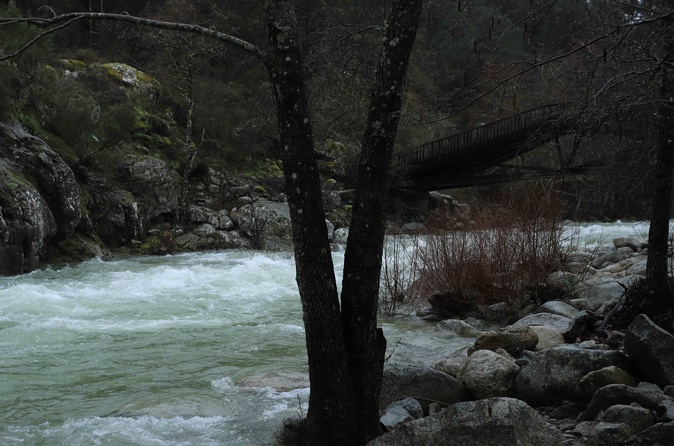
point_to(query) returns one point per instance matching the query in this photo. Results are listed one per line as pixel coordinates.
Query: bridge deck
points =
(454, 161)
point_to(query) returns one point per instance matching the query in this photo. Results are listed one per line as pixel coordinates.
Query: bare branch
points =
(64, 20)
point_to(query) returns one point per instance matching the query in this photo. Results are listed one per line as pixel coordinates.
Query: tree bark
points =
(660, 299)
(365, 343)
(331, 418)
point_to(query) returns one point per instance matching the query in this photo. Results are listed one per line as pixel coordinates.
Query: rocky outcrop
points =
(652, 350)
(552, 375)
(39, 199)
(489, 422)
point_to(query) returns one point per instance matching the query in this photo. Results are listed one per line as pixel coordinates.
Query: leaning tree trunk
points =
(331, 418)
(365, 343)
(660, 299)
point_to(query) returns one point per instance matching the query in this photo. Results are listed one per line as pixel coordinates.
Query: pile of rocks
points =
(540, 380)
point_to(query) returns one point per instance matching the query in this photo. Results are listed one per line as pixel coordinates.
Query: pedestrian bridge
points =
(470, 158)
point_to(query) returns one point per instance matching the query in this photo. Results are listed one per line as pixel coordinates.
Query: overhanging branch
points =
(61, 21)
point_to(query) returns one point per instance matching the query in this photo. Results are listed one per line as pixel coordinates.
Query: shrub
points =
(400, 264)
(515, 242)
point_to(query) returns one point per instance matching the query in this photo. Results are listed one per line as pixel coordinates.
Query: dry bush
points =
(515, 242)
(398, 292)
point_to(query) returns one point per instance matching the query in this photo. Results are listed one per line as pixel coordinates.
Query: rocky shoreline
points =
(556, 376)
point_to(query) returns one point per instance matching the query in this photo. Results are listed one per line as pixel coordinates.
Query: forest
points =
(474, 62)
(193, 101)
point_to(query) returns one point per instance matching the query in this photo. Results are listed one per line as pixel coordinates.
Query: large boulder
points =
(490, 422)
(154, 185)
(424, 384)
(618, 423)
(30, 157)
(458, 327)
(652, 350)
(548, 337)
(660, 434)
(645, 394)
(26, 223)
(597, 379)
(552, 375)
(512, 339)
(488, 374)
(599, 290)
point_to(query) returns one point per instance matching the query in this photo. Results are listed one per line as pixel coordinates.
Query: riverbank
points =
(563, 373)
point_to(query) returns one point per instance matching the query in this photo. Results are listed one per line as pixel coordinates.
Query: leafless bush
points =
(516, 242)
(398, 292)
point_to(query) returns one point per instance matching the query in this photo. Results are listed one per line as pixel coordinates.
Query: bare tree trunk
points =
(365, 342)
(331, 419)
(658, 234)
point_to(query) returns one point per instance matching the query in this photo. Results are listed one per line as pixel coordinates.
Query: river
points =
(149, 350)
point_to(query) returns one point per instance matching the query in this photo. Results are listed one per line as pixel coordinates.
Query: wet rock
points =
(618, 423)
(611, 257)
(458, 328)
(401, 412)
(548, 337)
(561, 323)
(490, 422)
(279, 380)
(488, 374)
(647, 396)
(552, 375)
(425, 384)
(651, 348)
(597, 379)
(512, 339)
(559, 308)
(660, 434)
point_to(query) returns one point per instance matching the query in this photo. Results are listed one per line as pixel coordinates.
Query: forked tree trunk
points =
(345, 348)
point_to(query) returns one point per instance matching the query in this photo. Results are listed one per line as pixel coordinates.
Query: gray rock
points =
(511, 339)
(452, 366)
(488, 374)
(280, 380)
(331, 230)
(458, 328)
(401, 412)
(631, 242)
(559, 308)
(652, 350)
(646, 396)
(611, 257)
(26, 224)
(341, 235)
(490, 422)
(599, 290)
(660, 434)
(552, 375)
(200, 214)
(638, 268)
(548, 337)
(561, 323)
(225, 223)
(424, 384)
(269, 218)
(619, 423)
(597, 379)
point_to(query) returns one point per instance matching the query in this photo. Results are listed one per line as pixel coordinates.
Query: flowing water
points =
(149, 350)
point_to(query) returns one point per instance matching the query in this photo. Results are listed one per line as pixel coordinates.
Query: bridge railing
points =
(504, 131)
